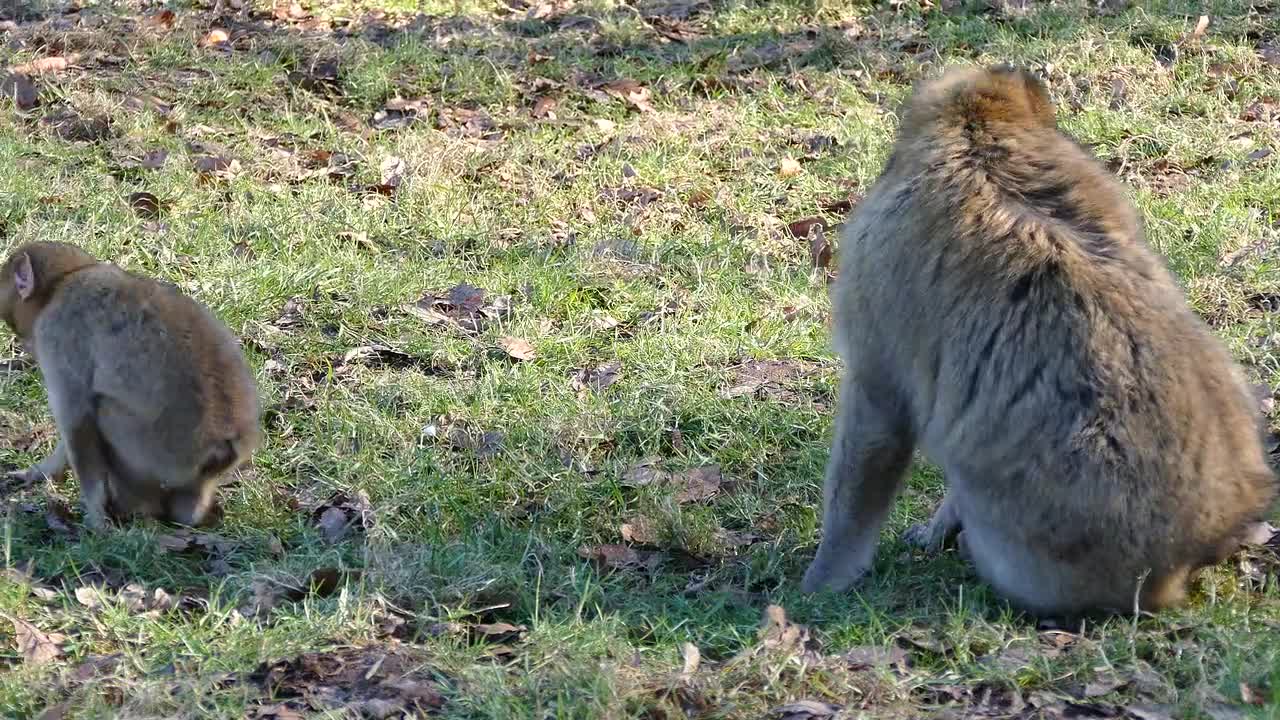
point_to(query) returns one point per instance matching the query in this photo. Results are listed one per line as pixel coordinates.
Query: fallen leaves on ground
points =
(378, 681)
(145, 204)
(37, 647)
(806, 710)
(596, 379)
(464, 306)
(634, 94)
(769, 379)
(691, 485)
(617, 557)
(342, 514)
(517, 348)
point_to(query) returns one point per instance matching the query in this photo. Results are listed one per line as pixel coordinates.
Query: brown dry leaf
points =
(645, 472)
(499, 631)
(393, 170)
(697, 484)
(145, 204)
(465, 306)
(46, 65)
(518, 348)
(806, 710)
(544, 108)
(819, 249)
(780, 634)
(612, 555)
(803, 228)
(596, 379)
(789, 167)
(19, 88)
(341, 514)
(1251, 695)
(162, 20)
(868, 656)
(631, 92)
(37, 647)
(639, 530)
(215, 37)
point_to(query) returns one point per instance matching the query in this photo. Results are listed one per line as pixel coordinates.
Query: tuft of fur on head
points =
(972, 98)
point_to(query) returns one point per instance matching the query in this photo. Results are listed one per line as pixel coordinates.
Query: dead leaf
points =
(72, 126)
(789, 167)
(499, 631)
(464, 306)
(162, 20)
(393, 170)
(341, 514)
(612, 556)
(544, 108)
(37, 647)
(596, 379)
(215, 37)
(517, 348)
(780, 634)
(145, 204)
(631, 92)
(869, 656)
(806, 710)
(803, 228)
(19, 88)
(639, 530)
(646, 472)
(697, 484)
(1251, 695)
(89, 596)
(1259, 154)
(45, 65)
(692, 658)
(819, 249)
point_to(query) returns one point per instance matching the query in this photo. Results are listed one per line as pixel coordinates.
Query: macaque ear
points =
(24, 278)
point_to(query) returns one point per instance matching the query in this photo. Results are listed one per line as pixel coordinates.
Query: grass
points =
(487, 575)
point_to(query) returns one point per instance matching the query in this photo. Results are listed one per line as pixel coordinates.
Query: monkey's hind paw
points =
(24, 479)
(927, 537)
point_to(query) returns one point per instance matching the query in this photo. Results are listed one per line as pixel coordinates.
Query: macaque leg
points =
(85, 451)
(870, 453)
(945, 523)
(49, 469)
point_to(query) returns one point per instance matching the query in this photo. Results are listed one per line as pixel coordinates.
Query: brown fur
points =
(998, 308)
(151, 393)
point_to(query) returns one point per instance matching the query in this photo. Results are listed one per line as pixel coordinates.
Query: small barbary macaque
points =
(152, 396)
(998, 308)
